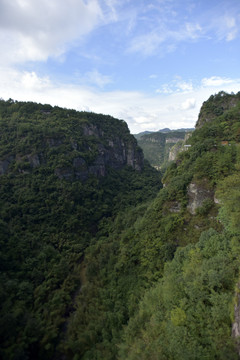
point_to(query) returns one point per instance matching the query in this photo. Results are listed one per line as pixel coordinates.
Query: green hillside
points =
(189, 312)
(110, 265)
(63, 173)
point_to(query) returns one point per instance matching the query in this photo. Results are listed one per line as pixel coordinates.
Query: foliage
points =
(228, 192)
(110, 267)
(187, 314)
(48, 221)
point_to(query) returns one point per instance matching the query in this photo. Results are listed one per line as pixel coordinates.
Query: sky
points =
(151, 63)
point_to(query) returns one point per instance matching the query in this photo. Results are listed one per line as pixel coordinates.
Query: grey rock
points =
(64, 173)
(175, 207)
(236, 322)
(52, 142)
(34, 160)
(4, 164)
(197, 193)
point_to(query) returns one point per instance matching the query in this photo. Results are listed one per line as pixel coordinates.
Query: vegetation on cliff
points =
(62, 173)
(157, 280)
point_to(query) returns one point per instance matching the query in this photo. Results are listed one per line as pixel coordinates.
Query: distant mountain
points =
(157, 145)
(184, 129)
(139, 135)
(165, 130)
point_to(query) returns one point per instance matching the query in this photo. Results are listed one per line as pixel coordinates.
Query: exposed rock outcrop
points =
(174, 151)
(197, 194)
(175, 207)
(236, 322)
(178, 147)
(52, 142)
(4, 164)
(173, 140)
(34, 160)
(92, 130)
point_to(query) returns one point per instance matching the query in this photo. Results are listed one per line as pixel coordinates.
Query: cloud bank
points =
(139, 109)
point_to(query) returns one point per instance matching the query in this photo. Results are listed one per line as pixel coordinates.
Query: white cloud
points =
(35, 30)
(147, 44)
(140, 110)
(185, 86)
(165, 89)
(30, 80)
(164, 27)
(96, 78)
(193, 31)
(176, 85)
(227, 26)
(161, 41)
(188, 104)
(153, 76)
(112, 6)
(141, 120)
(148, 126)
(232, 28)
(216, 81)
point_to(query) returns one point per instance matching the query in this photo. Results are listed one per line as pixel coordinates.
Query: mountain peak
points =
(216, 105)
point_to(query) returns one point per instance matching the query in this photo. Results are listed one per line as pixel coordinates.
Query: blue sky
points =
(150, 63)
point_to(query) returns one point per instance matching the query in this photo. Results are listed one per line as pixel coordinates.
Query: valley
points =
(104, 257)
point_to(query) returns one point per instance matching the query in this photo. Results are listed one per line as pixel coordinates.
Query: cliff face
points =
(115, 150)
(73, 144)
(178, 147)
(115, 153)
(174, 151)
(236, 322)
(198, 193)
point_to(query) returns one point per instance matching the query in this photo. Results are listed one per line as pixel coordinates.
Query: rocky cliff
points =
(198, 193)
(179, 146)
(236, 322)
(73, 144)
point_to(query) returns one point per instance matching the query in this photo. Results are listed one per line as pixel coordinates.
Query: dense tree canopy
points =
(115, 266)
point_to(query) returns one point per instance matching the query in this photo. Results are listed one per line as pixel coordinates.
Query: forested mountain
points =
(158, 146)
(62, 175)
(110, 265)
(162, 131)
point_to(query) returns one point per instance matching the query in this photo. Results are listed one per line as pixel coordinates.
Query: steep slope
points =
(189, 312)
(160, 280)
(62, 173)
